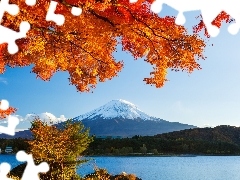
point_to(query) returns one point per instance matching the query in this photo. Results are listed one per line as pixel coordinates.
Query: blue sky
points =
(208, 96)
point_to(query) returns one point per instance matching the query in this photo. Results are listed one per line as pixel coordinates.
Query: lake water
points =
(163, 168)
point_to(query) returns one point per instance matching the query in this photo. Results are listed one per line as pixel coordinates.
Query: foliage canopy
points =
(84, 45)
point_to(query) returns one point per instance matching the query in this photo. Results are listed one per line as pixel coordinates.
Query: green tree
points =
(143, 149)
(60, 148)
(154, 151)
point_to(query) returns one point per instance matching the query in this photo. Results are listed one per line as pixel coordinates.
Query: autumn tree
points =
(83, 46)
(59, 147)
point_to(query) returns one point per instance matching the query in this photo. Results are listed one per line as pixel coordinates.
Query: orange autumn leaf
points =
(5, 113)
(222, 17)
(85, 44)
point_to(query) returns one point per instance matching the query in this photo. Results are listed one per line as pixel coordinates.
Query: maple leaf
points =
(222, 17)
(83, 45)
(5, 113)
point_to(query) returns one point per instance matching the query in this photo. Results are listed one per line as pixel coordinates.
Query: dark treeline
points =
(17, 144)
(221, 140)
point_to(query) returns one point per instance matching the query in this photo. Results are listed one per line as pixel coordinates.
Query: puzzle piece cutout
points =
(31, 171)
(30, 2)
(209, 10)
(58, 18)
(10, 36)
(12, 124)
(7, 35)
(10, 8)
(51, 16)
(232, 8)
(4, 170)
(12, 120)
(76, 11)
(4, 105)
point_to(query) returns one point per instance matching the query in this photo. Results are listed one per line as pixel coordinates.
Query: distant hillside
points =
(221, 140)
(223, 133)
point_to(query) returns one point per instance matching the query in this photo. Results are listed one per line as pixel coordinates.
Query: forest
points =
(220, 140)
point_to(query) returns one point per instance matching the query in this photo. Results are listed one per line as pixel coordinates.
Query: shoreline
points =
(145, 155)
(162, 155)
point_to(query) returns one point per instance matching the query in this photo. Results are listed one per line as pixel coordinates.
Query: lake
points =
(163, 168)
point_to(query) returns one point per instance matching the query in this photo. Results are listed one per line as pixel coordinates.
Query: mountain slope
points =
(120, 118)
(130, 127)
(116, 109)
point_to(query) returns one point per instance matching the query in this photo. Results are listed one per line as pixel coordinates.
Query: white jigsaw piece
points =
(7, 35)
(12, 124)
(209, 10)
(4, 170)
(12, 120)
(51, 16)
(4, 105)
(30, 2)
(10, 8)
(31, 171)
(232, 7)
(58, 18)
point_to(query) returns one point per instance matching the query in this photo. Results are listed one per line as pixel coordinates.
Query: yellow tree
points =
(83, 46)
(59, 147)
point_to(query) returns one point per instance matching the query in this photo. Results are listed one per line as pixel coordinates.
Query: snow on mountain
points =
(116, 108)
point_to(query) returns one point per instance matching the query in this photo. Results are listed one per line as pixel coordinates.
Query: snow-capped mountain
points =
(116, 109)
(122, 118)
(119, 118)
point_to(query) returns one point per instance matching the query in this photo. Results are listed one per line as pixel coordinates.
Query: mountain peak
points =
(121, 102)
(118, 108)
